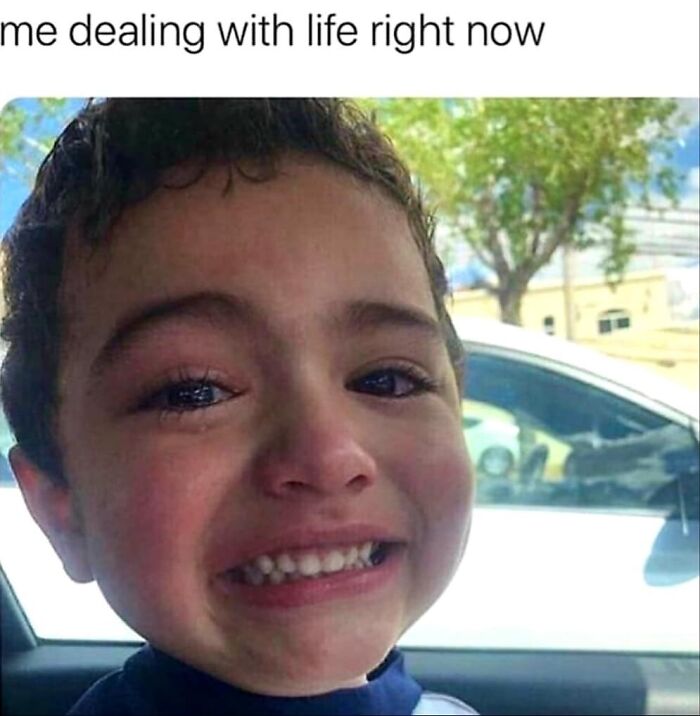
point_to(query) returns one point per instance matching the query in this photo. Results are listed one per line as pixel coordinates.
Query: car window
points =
(541, 437)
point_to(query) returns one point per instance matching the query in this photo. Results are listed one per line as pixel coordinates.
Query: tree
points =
(26, 134)
(519, 178)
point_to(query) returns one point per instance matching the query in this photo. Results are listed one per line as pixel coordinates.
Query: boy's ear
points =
(53, 508)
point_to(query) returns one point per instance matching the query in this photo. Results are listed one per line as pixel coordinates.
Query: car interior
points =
(43, 678)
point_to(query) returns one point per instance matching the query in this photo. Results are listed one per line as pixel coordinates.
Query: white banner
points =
(381, 48)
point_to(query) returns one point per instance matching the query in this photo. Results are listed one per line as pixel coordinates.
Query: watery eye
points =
(189, 395)
(390, 382)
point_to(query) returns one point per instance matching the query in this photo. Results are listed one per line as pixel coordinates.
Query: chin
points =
(336, 670)
(321, 660)
(349, 663)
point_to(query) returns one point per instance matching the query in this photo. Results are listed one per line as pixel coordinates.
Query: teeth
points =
(286, 564)
(351, 556)
(333, 562)
(309, 565)
(276, 577)
(265, 564)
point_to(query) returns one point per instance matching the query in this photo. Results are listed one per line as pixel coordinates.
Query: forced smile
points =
(313, 568)
(293, 565)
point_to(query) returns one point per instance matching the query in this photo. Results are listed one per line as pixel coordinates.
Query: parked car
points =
(493, 443)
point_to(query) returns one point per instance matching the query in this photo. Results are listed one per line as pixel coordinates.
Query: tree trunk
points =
(510, 299)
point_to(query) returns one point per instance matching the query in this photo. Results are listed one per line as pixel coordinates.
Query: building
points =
(633, 320)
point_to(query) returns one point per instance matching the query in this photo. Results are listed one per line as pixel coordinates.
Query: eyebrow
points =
(359, 316)
(362, 316)
(214, 307)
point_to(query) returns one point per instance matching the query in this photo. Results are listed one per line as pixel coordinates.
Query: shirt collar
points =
(171, 685)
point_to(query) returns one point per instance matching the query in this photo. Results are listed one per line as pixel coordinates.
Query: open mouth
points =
(310, 564)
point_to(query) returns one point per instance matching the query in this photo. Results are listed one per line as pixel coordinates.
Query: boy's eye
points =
(188, 395)
(392, 383)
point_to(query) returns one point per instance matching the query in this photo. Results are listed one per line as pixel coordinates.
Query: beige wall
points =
(671, 350)
(643, 295)
(652, 340)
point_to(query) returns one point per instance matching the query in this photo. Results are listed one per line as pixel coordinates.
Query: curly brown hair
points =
(115, 153)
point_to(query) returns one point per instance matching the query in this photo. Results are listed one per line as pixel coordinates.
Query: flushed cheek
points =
(438, 483)
(146, 533)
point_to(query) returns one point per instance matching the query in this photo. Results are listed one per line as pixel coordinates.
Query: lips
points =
(302, 565)
(249, 585)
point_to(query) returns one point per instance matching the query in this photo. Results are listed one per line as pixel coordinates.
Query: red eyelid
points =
(187, 374)
(410, 370)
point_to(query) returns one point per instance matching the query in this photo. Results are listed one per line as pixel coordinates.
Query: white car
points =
(493, 444)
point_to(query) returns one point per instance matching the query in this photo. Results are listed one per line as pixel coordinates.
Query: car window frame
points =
(587, 377)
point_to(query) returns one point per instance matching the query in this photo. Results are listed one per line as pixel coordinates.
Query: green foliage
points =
(518, 178)
(23, 139)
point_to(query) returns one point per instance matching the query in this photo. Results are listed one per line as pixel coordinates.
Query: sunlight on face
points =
(257, 374)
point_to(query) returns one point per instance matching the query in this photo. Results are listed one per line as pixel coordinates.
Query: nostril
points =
(359, 483)
(356, 484)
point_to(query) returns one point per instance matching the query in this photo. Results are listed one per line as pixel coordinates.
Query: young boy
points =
(235, 392)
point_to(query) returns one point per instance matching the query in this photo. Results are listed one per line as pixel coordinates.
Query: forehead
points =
(312, 235)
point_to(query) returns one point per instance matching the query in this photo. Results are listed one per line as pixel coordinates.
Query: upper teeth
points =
(309, 563)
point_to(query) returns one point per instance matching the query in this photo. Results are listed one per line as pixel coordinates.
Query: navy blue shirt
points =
(151, 682)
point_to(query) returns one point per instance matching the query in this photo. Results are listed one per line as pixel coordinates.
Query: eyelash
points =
(190, 381)
(185, 380)
(422, 383)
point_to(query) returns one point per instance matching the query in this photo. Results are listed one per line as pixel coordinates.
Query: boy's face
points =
(250, 374)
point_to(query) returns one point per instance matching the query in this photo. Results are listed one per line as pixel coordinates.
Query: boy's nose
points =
(313, 448)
